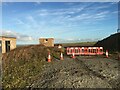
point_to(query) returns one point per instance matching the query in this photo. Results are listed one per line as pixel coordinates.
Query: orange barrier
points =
(84, 50)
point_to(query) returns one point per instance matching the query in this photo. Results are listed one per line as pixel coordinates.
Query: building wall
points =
(12, 43)
(49, 42)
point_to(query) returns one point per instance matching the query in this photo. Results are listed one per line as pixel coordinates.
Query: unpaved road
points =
(82, 72)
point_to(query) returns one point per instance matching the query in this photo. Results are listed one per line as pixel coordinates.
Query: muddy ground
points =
(26, 67)
(82, 72)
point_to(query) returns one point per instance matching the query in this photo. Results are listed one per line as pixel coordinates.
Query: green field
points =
(79, 44)
(70, 44)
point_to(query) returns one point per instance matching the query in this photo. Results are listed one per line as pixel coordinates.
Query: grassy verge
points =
(79, 44)
(22, 66)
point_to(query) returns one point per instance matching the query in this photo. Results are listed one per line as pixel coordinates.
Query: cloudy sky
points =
(65, 21)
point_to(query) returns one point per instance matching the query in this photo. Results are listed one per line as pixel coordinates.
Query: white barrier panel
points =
(85, 50)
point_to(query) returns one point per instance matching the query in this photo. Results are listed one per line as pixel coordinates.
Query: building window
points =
(7, 44)
(46, 40)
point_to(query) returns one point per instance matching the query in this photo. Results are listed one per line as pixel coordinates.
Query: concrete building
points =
(49, 42)
(7, 44)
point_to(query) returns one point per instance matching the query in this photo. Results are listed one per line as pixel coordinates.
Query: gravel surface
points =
(82, 72)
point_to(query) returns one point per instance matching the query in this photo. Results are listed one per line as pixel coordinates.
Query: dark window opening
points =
(101, 50)
(89, 50)
(82, 50)
(7, 45)
(85, 50)
(76, 51)
(94, 50)
(46, 39)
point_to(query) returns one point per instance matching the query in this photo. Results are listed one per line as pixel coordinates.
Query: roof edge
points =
(7, 37)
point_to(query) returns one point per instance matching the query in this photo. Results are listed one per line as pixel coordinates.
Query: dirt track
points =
(82, 72)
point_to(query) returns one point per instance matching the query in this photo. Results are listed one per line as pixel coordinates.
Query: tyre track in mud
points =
(71, 70)
(113, 83)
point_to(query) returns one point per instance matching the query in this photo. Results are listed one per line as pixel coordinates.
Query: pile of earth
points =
(21, 65)
(26, 67)
(111, 43)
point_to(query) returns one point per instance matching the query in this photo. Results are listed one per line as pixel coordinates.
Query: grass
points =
(79, 44)
(21, 73)
(22, 66)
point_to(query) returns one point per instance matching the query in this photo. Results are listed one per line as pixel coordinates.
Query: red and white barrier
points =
(73, 55)
(84, 50)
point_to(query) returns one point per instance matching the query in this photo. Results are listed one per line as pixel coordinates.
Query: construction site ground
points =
(81, 72)
(26, 67)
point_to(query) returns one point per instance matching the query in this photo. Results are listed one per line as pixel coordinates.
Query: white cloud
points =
(44, 12)
(19, 36)
(75, 13)
(103, 13)
(70, 3)
(38, 3)
(103, 7)
(112, 3)
(89, 17)
(62, 16)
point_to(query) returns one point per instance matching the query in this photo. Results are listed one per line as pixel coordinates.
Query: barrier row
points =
(85, 50)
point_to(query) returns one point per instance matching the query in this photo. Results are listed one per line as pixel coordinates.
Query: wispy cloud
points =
(61, 16)
(83, 12)
(90, 17)
(38, 3)
(19, 36)
(112, 3)
(60, 21)
(44, 12)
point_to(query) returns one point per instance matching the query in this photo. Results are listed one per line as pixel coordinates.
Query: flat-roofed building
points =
(49, 42)
(7, 44)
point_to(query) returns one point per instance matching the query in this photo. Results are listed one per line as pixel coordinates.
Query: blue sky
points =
(66, 22)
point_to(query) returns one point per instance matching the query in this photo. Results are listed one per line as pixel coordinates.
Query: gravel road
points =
(82, 72)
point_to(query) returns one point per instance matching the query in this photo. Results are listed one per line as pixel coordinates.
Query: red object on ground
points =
(61, 56)
(49, 57)
(107, 53)
(73, 55)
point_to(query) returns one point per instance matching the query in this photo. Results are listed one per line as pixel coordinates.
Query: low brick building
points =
(7, 44)
(49, 42)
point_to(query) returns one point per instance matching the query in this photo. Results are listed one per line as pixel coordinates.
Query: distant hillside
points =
(78, 44)
(111, 43)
